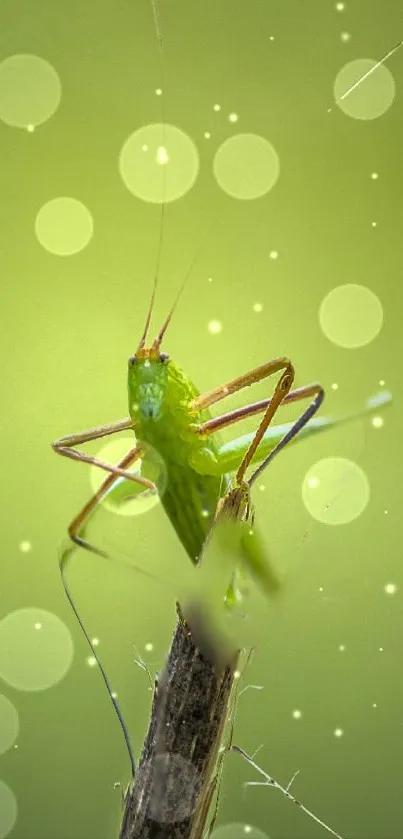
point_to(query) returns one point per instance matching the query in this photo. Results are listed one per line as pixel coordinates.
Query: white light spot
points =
(340, 7)
(30, 128)
(296, 714)
(338, 732)
(149, 647)
(374, 223)
(205, 514)
(162, 156)
(158, 91)
(390, 588)
(335, 386)
(114, 695)
(381, 382)
(321, 588)
(345, 36)
(214, 327)
(341, 648)
(217, 108)
(38, 626)
(207, 135)
(381, 649)
(374, 705)
(147, 363)
(237, 674)
(233, 117)
(95, 642)
(377, 422)
(262, 487)
(374, 176)
(91, 661)
(273, 254)
(238, 830)
(258, 307)
(210, 279)
(25, 547)
(313, 482)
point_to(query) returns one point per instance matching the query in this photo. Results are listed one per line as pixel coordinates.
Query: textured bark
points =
(174, 785)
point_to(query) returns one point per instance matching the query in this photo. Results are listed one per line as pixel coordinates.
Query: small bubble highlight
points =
(377, 422)
(214, 327)
(25, 547)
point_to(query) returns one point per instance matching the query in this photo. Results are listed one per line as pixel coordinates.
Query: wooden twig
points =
(175, 782)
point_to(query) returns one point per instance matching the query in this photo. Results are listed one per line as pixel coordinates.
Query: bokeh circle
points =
(246, 166)
(36, 649)
(159, 163)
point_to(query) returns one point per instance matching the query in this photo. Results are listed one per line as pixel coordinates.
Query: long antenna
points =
(164, 327)
(158, 33)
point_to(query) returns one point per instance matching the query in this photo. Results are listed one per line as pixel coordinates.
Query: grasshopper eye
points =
(164, 356)
(132, 360)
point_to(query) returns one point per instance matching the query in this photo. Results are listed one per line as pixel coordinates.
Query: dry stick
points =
(171, 793)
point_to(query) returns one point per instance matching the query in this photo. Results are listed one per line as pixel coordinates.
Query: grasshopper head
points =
(147, 383)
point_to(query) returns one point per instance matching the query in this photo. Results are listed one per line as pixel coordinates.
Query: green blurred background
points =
(331, 649)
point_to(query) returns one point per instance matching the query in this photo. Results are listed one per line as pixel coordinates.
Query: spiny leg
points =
(318, 393)
(205, 400)
(270, 406)
(82, 517)
(65, 447)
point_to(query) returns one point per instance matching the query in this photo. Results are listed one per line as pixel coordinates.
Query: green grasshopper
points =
(167, 412)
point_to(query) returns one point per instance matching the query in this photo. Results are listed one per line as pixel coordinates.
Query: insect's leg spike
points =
(312, 408)
(270, 406)
(65, 447)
